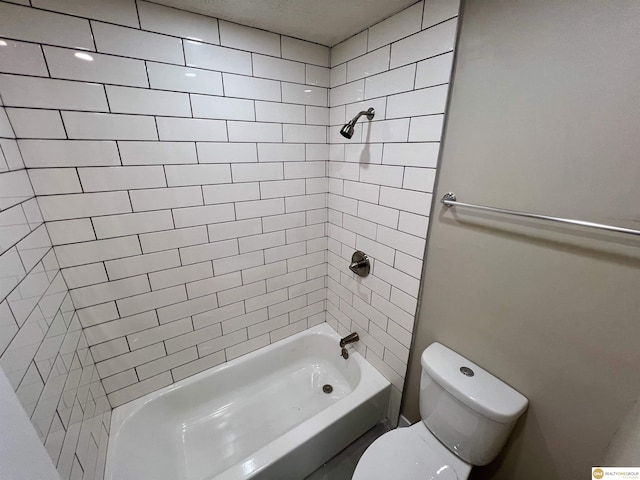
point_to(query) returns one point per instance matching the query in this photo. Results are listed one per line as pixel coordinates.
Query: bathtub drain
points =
(327, 388)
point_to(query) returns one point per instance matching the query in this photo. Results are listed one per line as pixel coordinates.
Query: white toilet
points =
(467, 416)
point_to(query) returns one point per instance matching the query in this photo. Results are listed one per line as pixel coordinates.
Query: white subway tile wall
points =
(43, 348)
(161, 147)
(381, 181)
(200, 202)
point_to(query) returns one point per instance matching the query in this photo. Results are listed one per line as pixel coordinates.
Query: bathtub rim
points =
(372, 383)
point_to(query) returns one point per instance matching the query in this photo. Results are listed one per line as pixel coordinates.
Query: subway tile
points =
(139, 264)
(109, 349)
(133, 305)
(197, 366)
(338, 75)
(303, 51)
(122, 12)
(105, 126)
(307, 202)
(120, 328)
(231, 193)
(188, 217)
(164, 364)
(287, 306)
(222, 59)
(21, 91)
(157, 153)
(426, 129)
(317, 185)
(267, 326)
(281, 222)
(190, 307)
(378, 214)
(191, 129)
(388, 130)
(287, 331)
(436, 11)
(278, 69)
(34, 25)
(217, 315)
(403, 300)
(214, 284)
(369, 64)
(22, 58)
(169, 239)
(304, 95)
(408, 264)
(95, 67)
(262, 241)
(104, 292)
(411, 154)
(35, 123)
(382, 174)
(347, 93)
(212, 346)
(427, 43)
(209, 251)
(240, 322)
(129, 360)
(226, 152)
(132, 223)
(184, 79)
(96, 251)
(50, 181)
(434, 71)
(400, 25)
(279, 112)
(62, 207)
(241, 228)
(248, 38)
(362, 191)
(317, 76)
(351, 48)
(404, 282)
(413, 224)
(119, 380)
(304, 170)
(345, 171)
(84, 275)
(184, 175)
(360, 226)
(177, 276)
(148, 102)
(283, 188)
(128, 42)
(238, 262)
(262, 272)
(249, 346)
(284, 281)
(97, 314)
(394, 81)
(241, 293)
(254, 132)
(305, 261)
(248, 87)
(70, 231)
(189, 339)
(223, 108)
(259, 208)
(419, 102)
(401, 241)
(99, 179)
(156, 199)
(317, 116)
(259, 172)
(179, 23)
(68, 153)
(407, 200)
(422, 179)
(304, 133)
(139, 389)
(274, 152)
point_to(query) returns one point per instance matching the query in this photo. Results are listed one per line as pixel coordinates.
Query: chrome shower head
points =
(347, 130)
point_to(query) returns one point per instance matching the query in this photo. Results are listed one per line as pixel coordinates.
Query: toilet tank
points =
(469, 410)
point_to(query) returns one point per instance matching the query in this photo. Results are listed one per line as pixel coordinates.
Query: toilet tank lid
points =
(481, 392)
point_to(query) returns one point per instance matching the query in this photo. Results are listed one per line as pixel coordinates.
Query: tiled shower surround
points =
(201, 203)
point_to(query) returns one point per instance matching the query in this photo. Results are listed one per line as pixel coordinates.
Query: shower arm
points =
(369, 113)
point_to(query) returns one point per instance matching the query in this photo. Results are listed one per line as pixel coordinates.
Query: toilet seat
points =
(410, 454)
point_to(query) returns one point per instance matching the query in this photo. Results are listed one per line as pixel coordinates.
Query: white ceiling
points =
(327, 22)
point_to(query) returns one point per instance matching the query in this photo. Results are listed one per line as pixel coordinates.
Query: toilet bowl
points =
(407, 454)
(467, 417)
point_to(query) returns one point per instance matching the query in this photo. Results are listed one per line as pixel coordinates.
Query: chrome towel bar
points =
(450, 200)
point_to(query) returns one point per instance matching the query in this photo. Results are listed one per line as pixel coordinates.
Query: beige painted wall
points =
(544, 117)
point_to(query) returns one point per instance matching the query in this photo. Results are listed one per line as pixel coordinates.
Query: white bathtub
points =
(263, 415)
